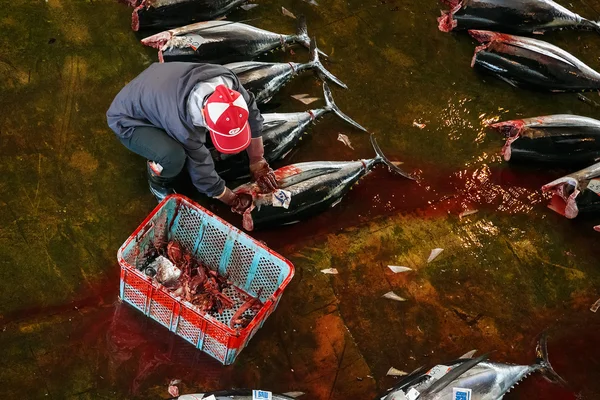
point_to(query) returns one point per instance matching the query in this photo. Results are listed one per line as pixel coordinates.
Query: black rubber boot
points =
(160, 187)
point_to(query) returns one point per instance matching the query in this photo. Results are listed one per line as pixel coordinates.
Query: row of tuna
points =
(560, 140)
(309, 187)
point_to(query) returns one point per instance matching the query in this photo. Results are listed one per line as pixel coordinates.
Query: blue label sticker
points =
(261, 395)
(461, 394)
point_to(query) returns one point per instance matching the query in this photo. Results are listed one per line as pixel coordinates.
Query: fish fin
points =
(302, 32)
(330, 105)
(469, 354)
(316, 63)
(543, 361)
(509, 81)
(382, 158)
(408, 380)
(454, 373)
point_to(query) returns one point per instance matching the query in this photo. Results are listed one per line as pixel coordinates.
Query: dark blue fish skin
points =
(164, 14)
(533, 64)
(511, 16)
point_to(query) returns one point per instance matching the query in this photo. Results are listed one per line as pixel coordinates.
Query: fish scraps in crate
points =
(180, 273)
(344, 139)
(397, 269)
(434, 254)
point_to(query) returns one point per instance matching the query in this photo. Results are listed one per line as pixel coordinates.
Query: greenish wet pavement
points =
(70, 195)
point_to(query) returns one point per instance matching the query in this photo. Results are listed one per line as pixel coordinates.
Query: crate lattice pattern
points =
(213, 243)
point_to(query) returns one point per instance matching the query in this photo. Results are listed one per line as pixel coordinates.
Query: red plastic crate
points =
(251, 266)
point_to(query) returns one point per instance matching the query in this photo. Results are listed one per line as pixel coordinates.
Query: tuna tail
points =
(316, 64)
(302, 35)
(331, 106)
(382, 158)
(544, 363)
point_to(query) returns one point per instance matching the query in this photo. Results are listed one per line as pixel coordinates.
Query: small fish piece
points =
(331, 271)
(311, 2)
(434, 254)
(344, 139)
(294, 394)
(173, 389)
(597, 228)
(393, 296)
(466, 213)
(419, 125)
(395, 372)
(247, 7)
(287, 13)
(397, 269)
(304, 99)
(595, 306)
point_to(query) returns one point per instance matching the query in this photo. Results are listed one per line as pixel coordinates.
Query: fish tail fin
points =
(543, 361)
(315, 63)
(331, 106)
(302, 35)
(383, 159)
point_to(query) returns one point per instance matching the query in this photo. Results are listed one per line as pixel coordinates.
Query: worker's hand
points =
(239, 203)
(242, 202)
(264, 176)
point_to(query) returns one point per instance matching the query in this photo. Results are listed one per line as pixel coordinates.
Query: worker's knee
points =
(172, 161)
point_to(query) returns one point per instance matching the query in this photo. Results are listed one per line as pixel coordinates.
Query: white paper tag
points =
(193, 41)
(438, 371)
(261, 395)
(461, 394)
(399, 395)
(594, 186)
(282, 198)
(412, 394)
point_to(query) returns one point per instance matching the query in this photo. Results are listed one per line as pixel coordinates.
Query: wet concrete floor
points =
(70, 195)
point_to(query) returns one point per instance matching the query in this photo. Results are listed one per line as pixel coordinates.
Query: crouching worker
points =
(164, 115)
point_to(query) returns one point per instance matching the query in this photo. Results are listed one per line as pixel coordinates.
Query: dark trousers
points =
(155, 145)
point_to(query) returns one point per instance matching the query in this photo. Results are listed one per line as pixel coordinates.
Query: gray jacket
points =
(158, 97)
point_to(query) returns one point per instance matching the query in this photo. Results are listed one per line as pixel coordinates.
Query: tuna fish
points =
(310, 188)
(169, 13)
(221, 42)
(484, 380)
(239, 394)
(511, 16)
(559, 139)
(281, 133)
(265, 79)
(576, 193)
(531, 63)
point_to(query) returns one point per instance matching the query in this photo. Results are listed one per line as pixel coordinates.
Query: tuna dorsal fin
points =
(452, 375)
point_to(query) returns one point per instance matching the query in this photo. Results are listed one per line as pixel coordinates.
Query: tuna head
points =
(576, 191)
(511, 130)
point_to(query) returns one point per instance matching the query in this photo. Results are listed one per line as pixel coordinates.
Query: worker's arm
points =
(261, 172)
(201, 168)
